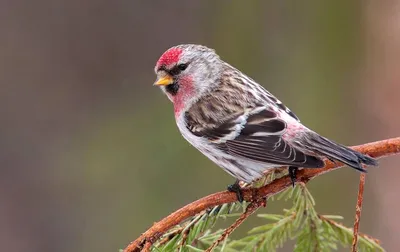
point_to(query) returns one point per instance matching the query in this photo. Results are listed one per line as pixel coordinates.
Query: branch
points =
(358, 212)
(250, 209)
(377, 150)
(147, 246)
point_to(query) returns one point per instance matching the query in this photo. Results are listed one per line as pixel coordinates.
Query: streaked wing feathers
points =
(256, 136)
(272, 149)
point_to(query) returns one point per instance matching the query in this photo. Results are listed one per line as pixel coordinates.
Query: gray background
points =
(90, 155)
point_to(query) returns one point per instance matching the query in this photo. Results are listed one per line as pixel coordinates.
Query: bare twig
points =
(377, 150)
(358, 212)
(251, 208)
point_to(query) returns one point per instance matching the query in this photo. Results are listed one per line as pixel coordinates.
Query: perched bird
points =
(237, 123)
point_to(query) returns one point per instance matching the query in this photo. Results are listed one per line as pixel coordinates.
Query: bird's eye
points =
(177, 69)
(182, 67)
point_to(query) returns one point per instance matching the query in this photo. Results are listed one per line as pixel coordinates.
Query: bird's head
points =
(185, 72)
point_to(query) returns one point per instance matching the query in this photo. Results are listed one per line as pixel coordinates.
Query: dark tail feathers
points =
(332, 150)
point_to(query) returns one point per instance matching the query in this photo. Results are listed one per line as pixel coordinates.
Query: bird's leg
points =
(292, 173)
(235, 187)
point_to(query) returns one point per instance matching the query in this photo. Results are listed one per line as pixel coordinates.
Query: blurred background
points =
(90, 155)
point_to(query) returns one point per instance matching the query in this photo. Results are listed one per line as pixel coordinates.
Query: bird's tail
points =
(325, 147)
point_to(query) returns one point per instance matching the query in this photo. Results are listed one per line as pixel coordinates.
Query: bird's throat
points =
(173, 88)
(182, 94)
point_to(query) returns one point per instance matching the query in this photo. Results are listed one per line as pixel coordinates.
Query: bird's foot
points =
(292, 173)
(235, 187)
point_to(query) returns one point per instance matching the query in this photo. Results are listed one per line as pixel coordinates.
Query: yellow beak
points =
(164, 81)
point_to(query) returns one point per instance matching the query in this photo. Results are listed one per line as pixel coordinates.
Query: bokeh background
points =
(90, 155)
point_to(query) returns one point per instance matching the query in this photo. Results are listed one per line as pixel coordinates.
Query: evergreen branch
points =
(358, 212)
(196, 231)
(269, 236)
(311, 235)
(313, 232)
(377, 150)
(170, 236)
(366, 242)
(250, 209)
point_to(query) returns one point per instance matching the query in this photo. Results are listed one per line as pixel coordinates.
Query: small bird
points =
(237, 123)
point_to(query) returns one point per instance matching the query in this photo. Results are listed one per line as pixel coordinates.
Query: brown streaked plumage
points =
(236, 122)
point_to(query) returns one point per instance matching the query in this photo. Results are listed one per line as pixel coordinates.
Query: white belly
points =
(242, 168)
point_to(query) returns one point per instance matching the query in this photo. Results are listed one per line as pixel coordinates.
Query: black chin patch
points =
(173, 88)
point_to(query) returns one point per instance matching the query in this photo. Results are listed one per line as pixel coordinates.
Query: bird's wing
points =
(254, 134)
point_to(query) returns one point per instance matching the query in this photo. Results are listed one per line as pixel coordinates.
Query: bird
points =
(237, 123)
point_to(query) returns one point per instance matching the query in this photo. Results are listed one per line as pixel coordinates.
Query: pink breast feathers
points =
(171, 56)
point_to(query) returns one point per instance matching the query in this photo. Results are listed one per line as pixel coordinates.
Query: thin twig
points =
(250, 209)
(377, 150)
(184, 238)
(358, 212)
(147, 246)
(169, 237)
